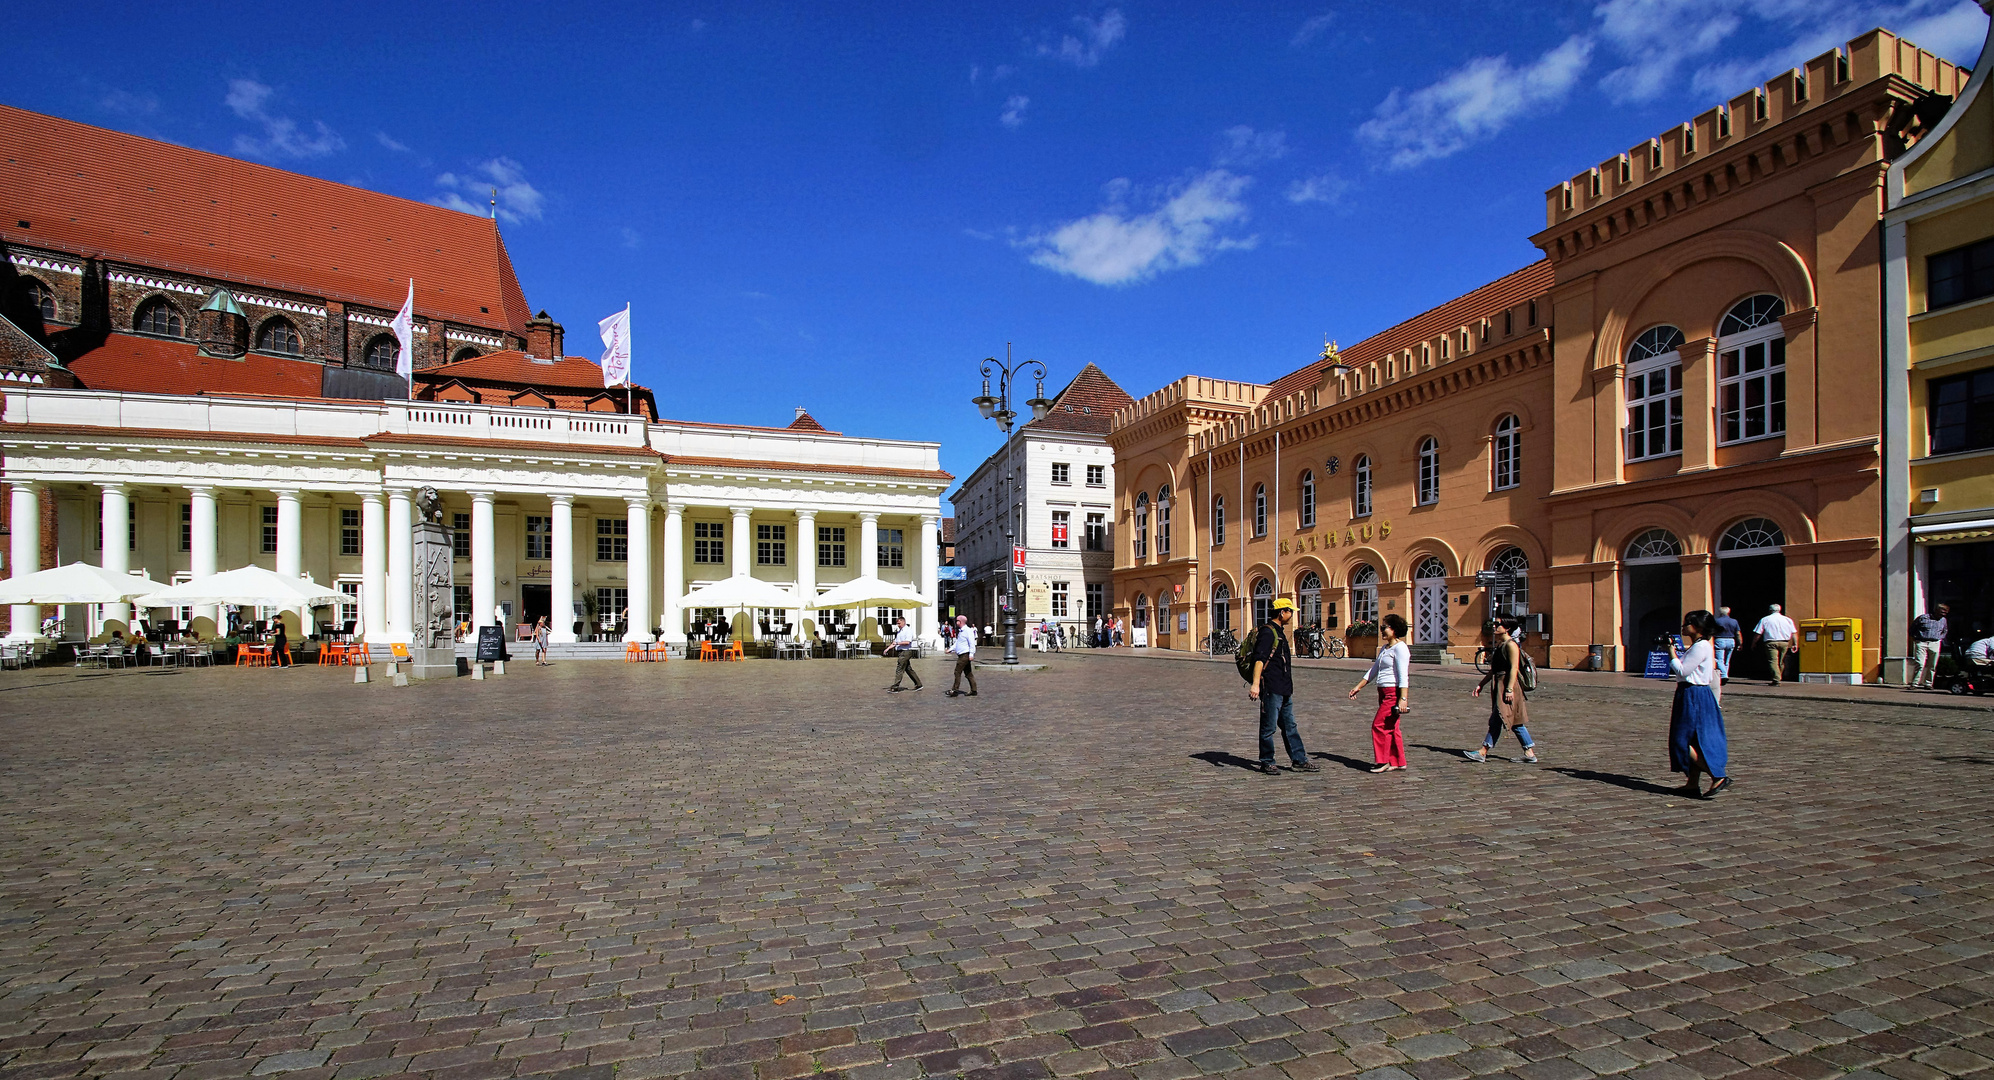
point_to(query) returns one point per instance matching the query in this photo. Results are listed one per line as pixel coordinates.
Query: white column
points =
(484, 576)
(203, 558)
(930, 590)
(806, 566)
(639, 569)
(743, 550)
(291, 547)
(25, 524)
(374, 566)
(117, 550)
(674, 571)
(401, 567)
(562, 588)
(869, 545)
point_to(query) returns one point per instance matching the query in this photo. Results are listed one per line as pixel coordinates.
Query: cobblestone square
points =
(756, 871)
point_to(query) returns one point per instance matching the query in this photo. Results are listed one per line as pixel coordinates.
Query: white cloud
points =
(472, 191)
(282, 136)
(1013, 115)
(1311, 29)
(1327, 188)
(1115, 246)
(392, 143)
(128, 103)
(1244, 147)
(1090, 39)
(1471, 104)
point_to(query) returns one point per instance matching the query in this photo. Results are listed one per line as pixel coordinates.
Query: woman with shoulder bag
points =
(1507, 708)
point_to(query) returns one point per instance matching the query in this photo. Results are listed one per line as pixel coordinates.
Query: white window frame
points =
(1141, 539)
(1506, 460)
(1221, 606)
(1429, 471)
(1364, 594)
(1263, 601)
(1260, 510)
(1062, 517)
(1218, 520)
(1734, 384)
(1360, 483)
(1097, 476)
(771, 544)
(1163, 506)
(1669, 400)
(1308, 499)
(1061, 592)
(1062, 473)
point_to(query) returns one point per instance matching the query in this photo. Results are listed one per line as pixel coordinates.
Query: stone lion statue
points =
(430, 505)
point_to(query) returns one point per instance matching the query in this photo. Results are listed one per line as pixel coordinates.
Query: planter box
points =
(1362, 648)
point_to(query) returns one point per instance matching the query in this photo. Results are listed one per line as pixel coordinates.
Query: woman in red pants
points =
(1390, 672)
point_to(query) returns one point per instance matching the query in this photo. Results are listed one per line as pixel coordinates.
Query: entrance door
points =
(1751, 577)
(538, 600)
(1429, 604)
(1653, 607)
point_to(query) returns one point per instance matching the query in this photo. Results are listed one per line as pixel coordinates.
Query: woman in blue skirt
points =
(1696, 724)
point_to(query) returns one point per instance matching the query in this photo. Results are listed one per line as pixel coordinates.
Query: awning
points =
(1953, 532)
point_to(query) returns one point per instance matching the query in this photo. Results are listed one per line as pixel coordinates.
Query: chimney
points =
(543, 337)
(799, 412)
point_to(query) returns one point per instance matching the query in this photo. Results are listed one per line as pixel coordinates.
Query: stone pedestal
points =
(432, 652)
(431, 663)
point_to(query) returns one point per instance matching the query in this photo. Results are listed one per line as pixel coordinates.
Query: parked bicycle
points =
(1221, 642)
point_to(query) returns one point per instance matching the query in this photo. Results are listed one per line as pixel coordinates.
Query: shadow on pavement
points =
(1346, 762)
(1444, 751)
(1220, 757)
(1617, 780)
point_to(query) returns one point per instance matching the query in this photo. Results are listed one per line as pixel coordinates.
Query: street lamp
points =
(998, 408)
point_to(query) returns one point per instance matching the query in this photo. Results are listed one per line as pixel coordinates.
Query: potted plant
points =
(1362, 639)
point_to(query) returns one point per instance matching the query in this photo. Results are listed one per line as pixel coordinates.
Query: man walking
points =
(1776, 632)
(1928, 635)
(963, 645)
(903, 650)
(1273, 686)
(1728, 633)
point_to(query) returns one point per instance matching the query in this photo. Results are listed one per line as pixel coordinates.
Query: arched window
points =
(37, 298)
(1514, 599)
(1752, 535)
(1653, 546)
(1751, 370)
(1654, 394)
(465, 353)
(159, 316)
(1263, 601)
(278, 336)
(1508, 459)
(381, 352)
(1308, 590)
(1363, 594)
(1360, 487)
(1218, 519)
(1163, 502)
(1429, 471)
(1260, 509)
(1142, 525)
(1140, 611)
(1221, 606)
(1429, 568)
(1308, 499)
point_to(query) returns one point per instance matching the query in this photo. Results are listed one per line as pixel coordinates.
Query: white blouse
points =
(1697, 666)
(1389, 669)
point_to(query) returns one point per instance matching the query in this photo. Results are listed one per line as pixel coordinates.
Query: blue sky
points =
(846, 207)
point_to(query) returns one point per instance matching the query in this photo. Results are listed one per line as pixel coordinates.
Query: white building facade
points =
(1062, 513)
(548, 509)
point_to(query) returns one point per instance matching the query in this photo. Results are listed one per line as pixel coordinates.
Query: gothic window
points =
(278, 336)
(37, 298)
(159, 316)
(381, 351)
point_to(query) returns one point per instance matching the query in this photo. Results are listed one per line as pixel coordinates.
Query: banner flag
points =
(616, 348)
(404, 327)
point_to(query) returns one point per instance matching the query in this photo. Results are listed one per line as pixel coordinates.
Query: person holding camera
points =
(1696, 723)
(1391, 672)
(1507, 711)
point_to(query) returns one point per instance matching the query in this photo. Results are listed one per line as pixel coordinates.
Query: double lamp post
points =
(998, 408)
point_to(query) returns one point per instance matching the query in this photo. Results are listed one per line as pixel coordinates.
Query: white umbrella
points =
(739, 591)
(250, 586)
(866, 592)
(77, 583)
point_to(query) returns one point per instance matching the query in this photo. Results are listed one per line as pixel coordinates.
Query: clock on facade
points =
(1331, 465)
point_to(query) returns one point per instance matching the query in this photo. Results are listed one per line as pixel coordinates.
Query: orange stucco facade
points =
(1679, 407)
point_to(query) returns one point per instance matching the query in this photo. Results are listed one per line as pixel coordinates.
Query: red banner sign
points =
(1059, 533)
(1017, 556)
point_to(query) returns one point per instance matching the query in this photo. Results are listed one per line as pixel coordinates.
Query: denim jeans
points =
(1724, 647)
(1276, 710)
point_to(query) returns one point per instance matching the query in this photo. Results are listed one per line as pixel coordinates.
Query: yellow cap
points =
(1284, 604)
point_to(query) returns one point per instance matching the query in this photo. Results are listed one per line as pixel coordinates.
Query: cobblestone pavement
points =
(766, 870)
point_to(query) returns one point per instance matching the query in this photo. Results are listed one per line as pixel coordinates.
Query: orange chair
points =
(633, 652)
(399, 652)
(331, 654)
(707, 651)
(659, 652)
(734, 651)
(358, 655)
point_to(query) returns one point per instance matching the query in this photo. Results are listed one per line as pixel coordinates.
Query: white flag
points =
(404, 327)
(616, 348)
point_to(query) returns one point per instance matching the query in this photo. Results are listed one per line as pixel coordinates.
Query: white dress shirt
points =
(1389, 669)
(1775, 627)
(1697, 666)
(904, 639)
(964, 643)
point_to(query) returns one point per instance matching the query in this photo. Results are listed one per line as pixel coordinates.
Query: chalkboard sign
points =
(1658, 666)
(491, 643)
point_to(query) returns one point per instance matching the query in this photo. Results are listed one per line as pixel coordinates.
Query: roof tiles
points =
(1087, 404)
(514, 367)
(172, 366)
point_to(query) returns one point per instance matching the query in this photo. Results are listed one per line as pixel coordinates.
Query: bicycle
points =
(1220, 642)
(1482, 660)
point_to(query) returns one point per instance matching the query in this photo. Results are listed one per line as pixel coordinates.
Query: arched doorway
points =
(1308, 592)
(1651, 594)
(1751, 577)
(1139, 620)
(1221, 607)
(1429, 602)
(1512, 599)
(1263, 601)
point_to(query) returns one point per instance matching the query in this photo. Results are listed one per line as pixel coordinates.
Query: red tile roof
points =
(1467, 309)
(1087, 404)
(678, 461)
(515, 368)
(172, 366)
(94, 192)
(806, 422)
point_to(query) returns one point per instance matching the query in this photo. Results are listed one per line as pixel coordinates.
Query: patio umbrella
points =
(739, 591)
(867, 592)
(250, 586)
(77, 583)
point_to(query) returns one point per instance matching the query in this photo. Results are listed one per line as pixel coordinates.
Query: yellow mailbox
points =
(1831, 647)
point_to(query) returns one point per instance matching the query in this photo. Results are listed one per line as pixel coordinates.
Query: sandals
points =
(1381, 767)
(1722, 783)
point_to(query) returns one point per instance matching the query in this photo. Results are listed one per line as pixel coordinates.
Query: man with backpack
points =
(1266, 661)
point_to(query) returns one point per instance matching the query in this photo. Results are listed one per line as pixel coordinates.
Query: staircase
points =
(1432, 654)
(576, 650)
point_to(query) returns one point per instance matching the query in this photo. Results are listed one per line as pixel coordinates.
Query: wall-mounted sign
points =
(1017, 556)
(951, 573)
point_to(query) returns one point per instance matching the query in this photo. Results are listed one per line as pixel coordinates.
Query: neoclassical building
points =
(1679, 407)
